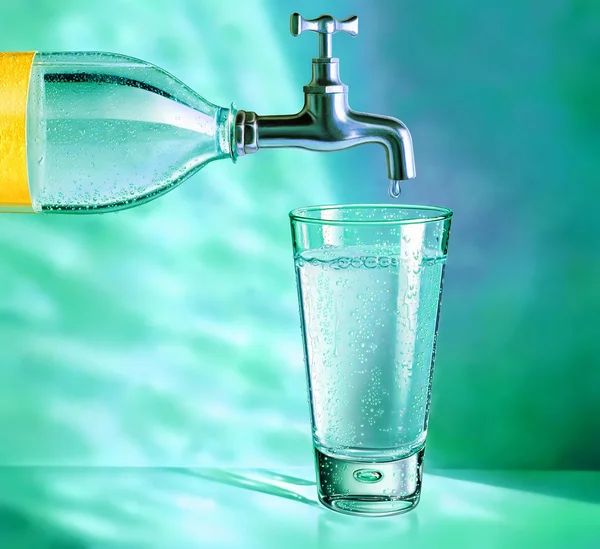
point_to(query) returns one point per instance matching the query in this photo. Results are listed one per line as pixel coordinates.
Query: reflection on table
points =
(84, 508)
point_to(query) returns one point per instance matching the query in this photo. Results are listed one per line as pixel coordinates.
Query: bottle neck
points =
(225, 138)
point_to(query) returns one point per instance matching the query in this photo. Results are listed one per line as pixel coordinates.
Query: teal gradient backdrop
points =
(169, 335)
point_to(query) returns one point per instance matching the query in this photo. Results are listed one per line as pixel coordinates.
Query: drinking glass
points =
(369, 284)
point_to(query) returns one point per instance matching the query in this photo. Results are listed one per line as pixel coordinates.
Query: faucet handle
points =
(326, 25)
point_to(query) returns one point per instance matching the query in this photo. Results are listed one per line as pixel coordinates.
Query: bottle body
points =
(105, 132)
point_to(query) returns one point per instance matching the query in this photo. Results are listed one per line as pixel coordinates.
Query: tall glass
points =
(369, 285)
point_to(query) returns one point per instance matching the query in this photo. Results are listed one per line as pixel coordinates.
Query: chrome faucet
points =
(326, 122)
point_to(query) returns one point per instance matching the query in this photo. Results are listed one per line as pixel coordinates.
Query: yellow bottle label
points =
(15, 71)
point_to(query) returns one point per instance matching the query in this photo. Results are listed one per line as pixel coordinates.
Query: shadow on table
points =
(257, 480)
(19, 530)
(573, 485)
(333, 530)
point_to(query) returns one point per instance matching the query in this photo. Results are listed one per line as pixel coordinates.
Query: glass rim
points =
(303, 214)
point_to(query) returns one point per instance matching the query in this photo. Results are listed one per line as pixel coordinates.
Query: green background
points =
(169, 335)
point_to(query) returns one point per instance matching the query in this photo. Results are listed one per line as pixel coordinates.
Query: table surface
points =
(89, 508)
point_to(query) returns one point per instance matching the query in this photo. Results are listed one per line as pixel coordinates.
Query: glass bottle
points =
(97, 132)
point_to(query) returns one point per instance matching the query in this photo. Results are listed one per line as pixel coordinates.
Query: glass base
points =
(369, 488)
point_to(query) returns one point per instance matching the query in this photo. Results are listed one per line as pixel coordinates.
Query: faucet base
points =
(246, 133)
(326, 77)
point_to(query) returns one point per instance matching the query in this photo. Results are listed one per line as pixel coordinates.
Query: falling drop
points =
(395, 189)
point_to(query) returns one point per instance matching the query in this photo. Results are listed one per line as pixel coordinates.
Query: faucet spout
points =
(326, 123)
(393, 135)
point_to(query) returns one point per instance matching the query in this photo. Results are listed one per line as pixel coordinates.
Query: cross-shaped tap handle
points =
(326, 25)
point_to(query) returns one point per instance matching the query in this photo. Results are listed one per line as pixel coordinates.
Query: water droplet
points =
(394, 188)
